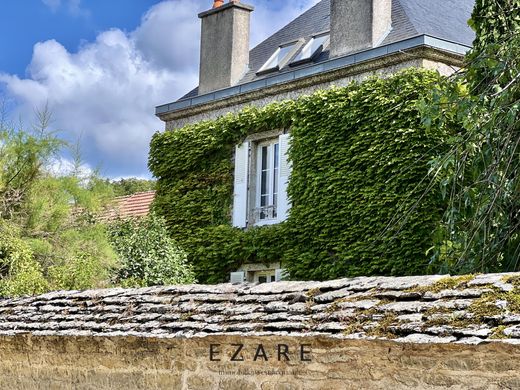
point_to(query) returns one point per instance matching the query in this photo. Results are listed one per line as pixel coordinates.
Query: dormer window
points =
(312, 49)
(280, 57)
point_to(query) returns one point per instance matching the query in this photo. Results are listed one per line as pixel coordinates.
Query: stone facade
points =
(427, 59)
(425, 332)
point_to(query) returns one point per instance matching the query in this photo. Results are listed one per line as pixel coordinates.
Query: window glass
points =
(311, 47)
(264, 174)
(275, 177)
(278, 57)
(267, 172)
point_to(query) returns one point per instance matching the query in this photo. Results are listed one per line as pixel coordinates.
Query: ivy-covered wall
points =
(358, 185)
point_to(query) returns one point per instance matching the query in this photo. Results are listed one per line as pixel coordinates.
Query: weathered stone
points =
(296, 307)
(237, 384)
(470, 340)
(408, 282)
(511, 319)
(454, 304)
(407, 327)
(364, 305)
(286, 326)
(405, 307)
(513, 331)
(497, 280)
(333, 295)
(481, 332)
(397, 295)
(415, 317)
(467, 293)
(330, 327)
(419, 338)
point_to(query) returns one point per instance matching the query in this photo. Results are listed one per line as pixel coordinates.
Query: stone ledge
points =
(418, 309)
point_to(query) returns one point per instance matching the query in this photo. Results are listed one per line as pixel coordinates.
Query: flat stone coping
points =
(418, 309)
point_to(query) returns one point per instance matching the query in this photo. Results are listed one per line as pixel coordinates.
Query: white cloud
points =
(107, 90)
(73, 7)
(52, 4)
(265, 21)
(64, 167)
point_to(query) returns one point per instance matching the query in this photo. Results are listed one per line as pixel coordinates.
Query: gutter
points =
(315, 69)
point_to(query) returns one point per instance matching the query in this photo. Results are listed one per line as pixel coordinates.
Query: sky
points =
(101, 66)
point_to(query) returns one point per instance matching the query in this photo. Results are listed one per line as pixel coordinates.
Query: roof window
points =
(312, 49)
(280, 57)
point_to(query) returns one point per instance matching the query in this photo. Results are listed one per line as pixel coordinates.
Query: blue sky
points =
(103, 65)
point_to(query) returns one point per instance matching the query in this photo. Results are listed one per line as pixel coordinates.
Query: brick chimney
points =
(224, 49)
(357, 25)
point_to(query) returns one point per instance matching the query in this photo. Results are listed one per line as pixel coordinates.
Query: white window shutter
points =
(240, 187)
(237, 277)
(283, 178)
(279, 275)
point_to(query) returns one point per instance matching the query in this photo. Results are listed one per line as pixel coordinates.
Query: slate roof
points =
(444, 19)
(431, 309)
(130, 206)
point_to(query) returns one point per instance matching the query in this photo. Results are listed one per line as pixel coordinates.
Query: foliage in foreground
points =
(480, 174)
(50, 236)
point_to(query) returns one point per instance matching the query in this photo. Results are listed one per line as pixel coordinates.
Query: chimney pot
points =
(218, 3)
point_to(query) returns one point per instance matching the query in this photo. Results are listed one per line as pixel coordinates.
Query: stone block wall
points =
(422, 332)
(126, 363)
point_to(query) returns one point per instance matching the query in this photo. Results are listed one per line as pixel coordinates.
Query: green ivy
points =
(359, 201)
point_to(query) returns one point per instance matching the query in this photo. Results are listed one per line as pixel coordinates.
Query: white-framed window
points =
(261, 177)
(267, 168)
(258, 273)
(312, 49)
(280, 57)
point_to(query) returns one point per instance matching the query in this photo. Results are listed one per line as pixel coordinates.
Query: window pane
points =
(276, 155)
(278, 57)
(311, 47)
(264, 199)
(262, 279)
(275, 175)
(264, 157)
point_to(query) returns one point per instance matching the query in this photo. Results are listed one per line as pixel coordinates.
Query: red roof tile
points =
(130, 206)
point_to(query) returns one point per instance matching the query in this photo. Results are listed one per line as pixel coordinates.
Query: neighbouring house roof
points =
(441, 19)
(130, 206)
(421, 309)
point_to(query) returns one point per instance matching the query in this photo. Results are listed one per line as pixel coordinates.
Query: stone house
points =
(333, 43)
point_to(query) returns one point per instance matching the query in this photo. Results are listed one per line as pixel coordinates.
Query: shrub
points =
(147, 254)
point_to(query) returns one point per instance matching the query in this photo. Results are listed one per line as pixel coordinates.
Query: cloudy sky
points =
(103, 65)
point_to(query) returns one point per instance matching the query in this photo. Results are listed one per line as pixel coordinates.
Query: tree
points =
(131, 186)
(22, 157)
(479, 108)
(49, 236)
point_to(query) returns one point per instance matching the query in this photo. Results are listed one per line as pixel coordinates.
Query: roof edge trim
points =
(311, 70)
